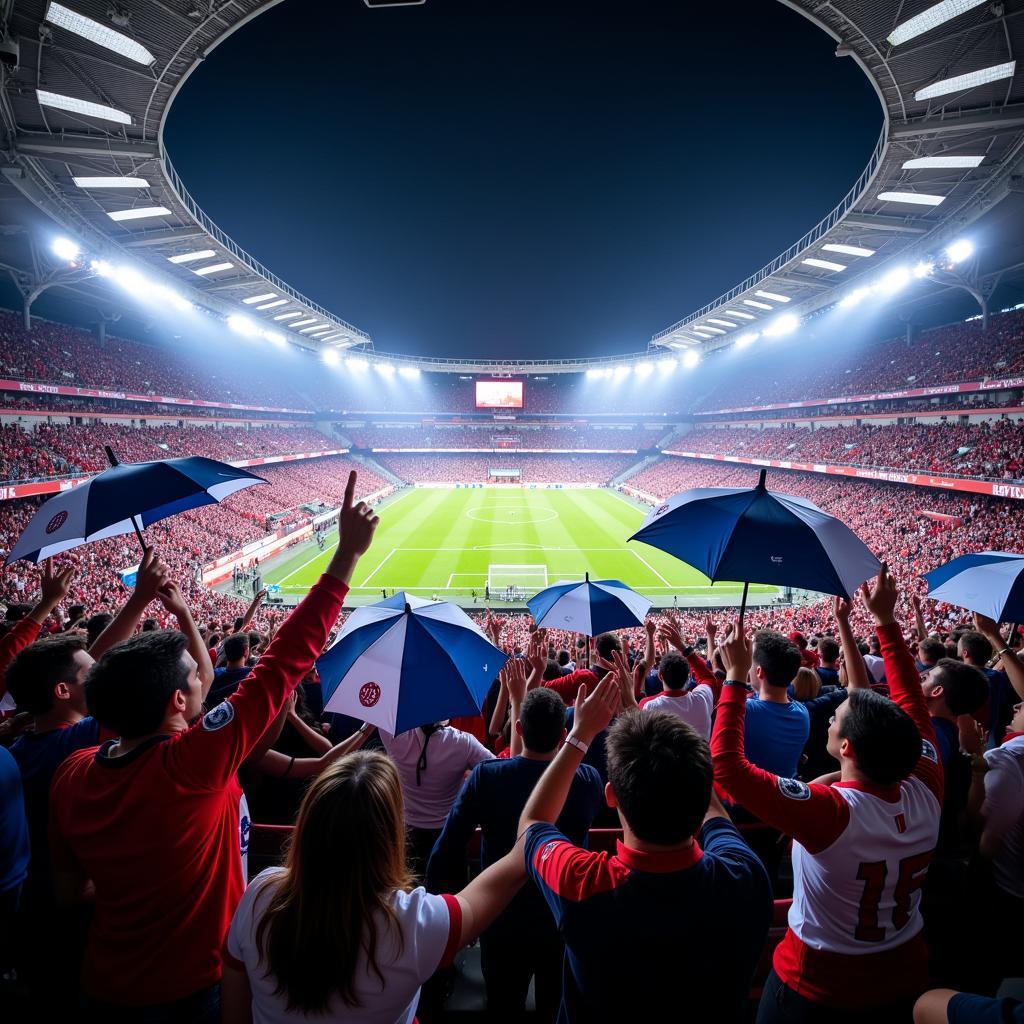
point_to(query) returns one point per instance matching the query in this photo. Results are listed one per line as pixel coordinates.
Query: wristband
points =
(735, 682)
(687, 650)
(572, 741)
(1005, 650)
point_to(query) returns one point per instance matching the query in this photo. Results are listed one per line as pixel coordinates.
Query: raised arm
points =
(150, 576)
(250, 612)
(853, 660)
(670, 636)
(515, 686)
(1012, 665)
(814, 815)
(171, 598)
(919, 623)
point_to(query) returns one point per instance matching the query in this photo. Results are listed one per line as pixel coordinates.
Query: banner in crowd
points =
(995, 489)
(1004, 384)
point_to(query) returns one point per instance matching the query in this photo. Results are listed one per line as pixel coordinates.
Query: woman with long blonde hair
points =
(339, 932)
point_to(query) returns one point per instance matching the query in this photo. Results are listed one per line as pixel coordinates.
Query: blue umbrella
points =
(406, 662)
(590, 607)
(989, 582)
(125, 498)
(759, 536)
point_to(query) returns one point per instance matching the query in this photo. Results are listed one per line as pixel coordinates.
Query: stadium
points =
(874, 368)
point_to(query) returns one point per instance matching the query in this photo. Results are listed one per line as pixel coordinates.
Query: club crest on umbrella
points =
(369, 694)
(56, 522)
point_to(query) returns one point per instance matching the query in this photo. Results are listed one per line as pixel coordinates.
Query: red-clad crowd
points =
(531, 469)
(431, 434)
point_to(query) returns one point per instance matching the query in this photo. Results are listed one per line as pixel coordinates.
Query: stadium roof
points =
(949, 150)
(84, 111)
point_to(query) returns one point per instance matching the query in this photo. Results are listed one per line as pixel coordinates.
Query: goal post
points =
(522, 577)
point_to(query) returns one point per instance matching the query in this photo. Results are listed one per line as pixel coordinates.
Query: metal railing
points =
(197, 213)
(812, 237)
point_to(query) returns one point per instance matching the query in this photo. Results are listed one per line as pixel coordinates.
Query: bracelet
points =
(1005, 650)
(572, 741)
(736, 682)
(291, 764)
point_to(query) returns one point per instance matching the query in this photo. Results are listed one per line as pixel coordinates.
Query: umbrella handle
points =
(114, 461)
(743, 604)
(138, 533)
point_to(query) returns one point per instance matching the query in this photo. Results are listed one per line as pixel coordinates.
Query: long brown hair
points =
(807, 684)
(344, 863)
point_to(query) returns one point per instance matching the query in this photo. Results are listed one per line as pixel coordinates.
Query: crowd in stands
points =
(499, 435)
(58, 450)
(862, 782)
(987, 450)
(533, 469)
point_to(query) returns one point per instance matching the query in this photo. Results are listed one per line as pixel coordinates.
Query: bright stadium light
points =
(931, 17)
(894, 281)
(746, 340)
(330, 357)
(213, 268)
(691, 359)
(971, 80)
(242, 325)
(923, 269)
(275, 338)
(848, 250)
(409, 372)
(84, 107)
(622, 371)
(927, 163)
(739, 313)
(110, 181)
(65, 249)
(139, 213)
(704, 332)
(913, 198)
(357, 364)
(784, 324)
(130, 280)
(853, 298)
(302, 323)
(643, 369)
(593, 373)
(756, 304)
(262, 297)
(288, 316)
(668, 365)
(773, 296)
(811, 261)
(98, 33)
(721, 323)
(171, 297)
(188, 257)
(276, 304)
(384, 369)
(960, 250)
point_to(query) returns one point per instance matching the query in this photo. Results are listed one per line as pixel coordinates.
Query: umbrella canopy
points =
(406, 662)
(590, 607)
(760, 536)
(106, 504)
(989, 582)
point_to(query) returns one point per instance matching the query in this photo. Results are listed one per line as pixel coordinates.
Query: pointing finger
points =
(350, 491)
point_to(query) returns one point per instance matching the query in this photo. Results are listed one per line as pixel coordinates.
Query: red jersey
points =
(860, 855)
(158, 829)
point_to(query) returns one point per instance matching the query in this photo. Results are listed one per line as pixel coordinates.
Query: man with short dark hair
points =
(861, 846)
(930, 651)
(152, 819)
(828, 669)
(226, 679)
(776, 727)
(682, 878)
(523, 942)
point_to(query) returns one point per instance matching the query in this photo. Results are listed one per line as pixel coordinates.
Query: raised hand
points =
(515, 679)
(54, 588)
(736, 653)
(880, 600)
(972, 734)
(171, 597)
(841, 609)
(150, 577)
(356, 524)
(669, 635)
(989, 627)
(626, 679)
(710, 629)
(594, 711)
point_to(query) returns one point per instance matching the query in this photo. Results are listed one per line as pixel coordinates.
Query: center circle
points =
(511, 515)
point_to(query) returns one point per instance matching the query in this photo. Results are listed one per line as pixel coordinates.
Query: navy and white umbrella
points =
(753, 535)
(406, 662)
(591, 607)
(126, 498)
(988, 582)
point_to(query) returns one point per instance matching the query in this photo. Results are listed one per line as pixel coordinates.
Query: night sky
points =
(516, 178)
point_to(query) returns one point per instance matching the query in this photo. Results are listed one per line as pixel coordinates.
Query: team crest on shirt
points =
(220, 716)
(548, 850)
(794, 789)
(928, 750)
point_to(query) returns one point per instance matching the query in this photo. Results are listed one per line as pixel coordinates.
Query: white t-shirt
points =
(1004, 813)
(694, 707)
(450, 754)
(430, 930)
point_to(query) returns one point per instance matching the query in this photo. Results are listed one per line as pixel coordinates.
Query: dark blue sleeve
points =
(537, 837)
(449, 851)
(85, 733)
(720, 837)
(827, 701)
(968, 1009)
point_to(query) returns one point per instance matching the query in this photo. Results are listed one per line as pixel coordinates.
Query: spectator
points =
(776, 727)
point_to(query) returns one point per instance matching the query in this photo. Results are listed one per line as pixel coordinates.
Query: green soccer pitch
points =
(449, 543)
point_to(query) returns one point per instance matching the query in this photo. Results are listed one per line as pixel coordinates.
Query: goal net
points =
(524, 578)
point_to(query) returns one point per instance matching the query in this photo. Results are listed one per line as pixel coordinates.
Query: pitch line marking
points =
(378, 567)
(649, 566)
(308, 561)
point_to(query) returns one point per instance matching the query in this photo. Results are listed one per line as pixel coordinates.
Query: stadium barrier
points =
(271, 545)
(32, 489)
(645, 496)
(511, 485)
(995, 489)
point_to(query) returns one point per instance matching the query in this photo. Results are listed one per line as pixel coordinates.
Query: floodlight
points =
(745, 340)
(784, 324)
(931, 17)
(970, 80)
(242, 325)
(276, 338)
(65, 249)
(170, 296)
(330, 357)
(303, 322)
(960, 250)
(913, 198)
(288, 316)
(139, 213)
(723, 323)
(273, 305)
(110, 181)
(130, 279)
(354, 363)
(384, 369)
(848, 250)
(188, 257)
(213, 268)
(713, 330)
(894, 281)
(756, 304)
(854, 297)
(773, 296)
(740, 314)
(824, 264)
(668, 365)
(643, 369)
(593, 373)
(410, 372)
(922, 163)
(621, 371)
(691, 359)
(98, 33)
(260, 298)
(84, 107)
(923, 269)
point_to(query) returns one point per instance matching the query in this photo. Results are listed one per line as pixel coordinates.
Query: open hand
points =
(736, 653)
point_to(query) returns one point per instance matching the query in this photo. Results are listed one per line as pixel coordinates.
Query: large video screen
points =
(499, 394)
